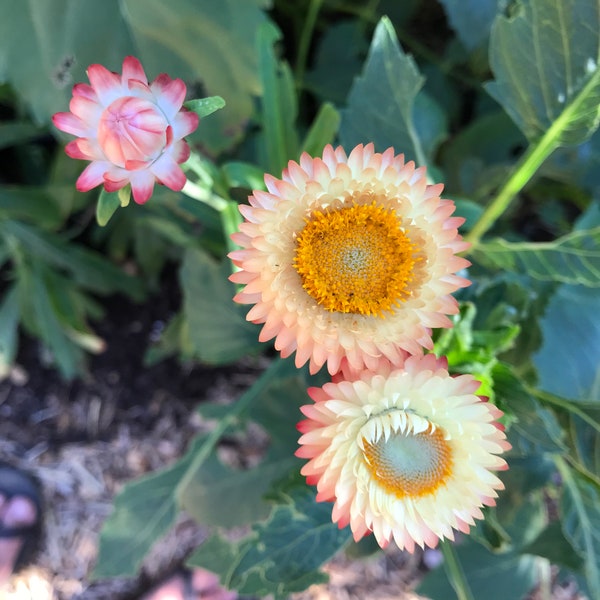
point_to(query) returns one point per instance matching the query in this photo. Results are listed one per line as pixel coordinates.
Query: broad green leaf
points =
(143, 511)
(535, 429)
(568, 359)
(87, 268)
(218, 329)
(339, 57)
(213, 492)
(283, 554)
(472, 19)
(580, 512)
(381, 102)
(205, 106)
(69, 358)
(586, 440)
(279, 103)
(9, 323)
(322, 131)
(573, 258)
(48, 45)
(545, 63)
(211, 43)
(108, 202)
(552, 544)
(493, 576)
(29, 203)
(12, 134)
(245, 175)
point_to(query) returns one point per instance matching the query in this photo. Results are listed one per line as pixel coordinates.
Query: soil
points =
(85, 439)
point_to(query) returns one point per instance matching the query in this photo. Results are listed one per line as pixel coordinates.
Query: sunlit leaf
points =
(545, 63)
(205, 106)
(573, 258)
(381, 101)
(108, 202)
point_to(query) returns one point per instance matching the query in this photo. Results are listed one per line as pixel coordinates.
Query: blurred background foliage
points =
(459, 86)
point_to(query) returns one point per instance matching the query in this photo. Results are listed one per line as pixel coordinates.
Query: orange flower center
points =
(357, 259)
(410, 465)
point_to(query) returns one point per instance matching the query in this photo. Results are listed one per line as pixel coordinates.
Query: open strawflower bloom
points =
(130, 129)
(407, 454)
(349, 256)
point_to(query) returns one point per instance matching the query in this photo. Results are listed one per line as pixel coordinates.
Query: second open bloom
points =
(407, 454)
(349, 256)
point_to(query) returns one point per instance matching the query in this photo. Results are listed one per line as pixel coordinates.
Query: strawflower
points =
(131, 130)
(407, 454)
(349, 256)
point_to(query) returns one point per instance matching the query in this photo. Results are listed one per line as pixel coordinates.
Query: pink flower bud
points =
(130, 130)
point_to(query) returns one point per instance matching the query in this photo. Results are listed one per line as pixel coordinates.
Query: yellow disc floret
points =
(410, 465)
(356, 259)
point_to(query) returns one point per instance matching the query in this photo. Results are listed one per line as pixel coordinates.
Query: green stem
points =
(305, 39)
(455, 573)
(525, 169)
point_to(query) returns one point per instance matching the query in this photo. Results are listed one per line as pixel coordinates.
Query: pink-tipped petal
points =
(132, 69)
(169, 173)
(142, 186)
(69, 123)
(105, 83)
(92, 176)
(171, 97)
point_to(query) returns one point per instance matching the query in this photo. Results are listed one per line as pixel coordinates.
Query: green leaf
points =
(9, 323)
(552, 544)
(88, 269)
(493, 576)
(535, 429)
(573, 258)
(338, 59)
(567, 362)
(108, 202)
(212, 494)
(205, 106)
(279, 104)
(68, 357)
(322, 131)
(580, 512)
(12, 134)
(143, 511)
(218, 329)
(472, 19)
(283, 554)
(199, 41)
(33, 204)
(545, 62)
(381, 101)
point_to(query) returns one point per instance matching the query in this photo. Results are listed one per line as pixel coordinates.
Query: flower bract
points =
(130, 129)
(349, 256)
(408, 454)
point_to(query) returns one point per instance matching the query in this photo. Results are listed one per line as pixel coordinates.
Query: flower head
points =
(405, 453)
(349, 257)
(131, 130)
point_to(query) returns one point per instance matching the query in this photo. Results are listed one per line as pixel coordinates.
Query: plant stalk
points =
(455, 573)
